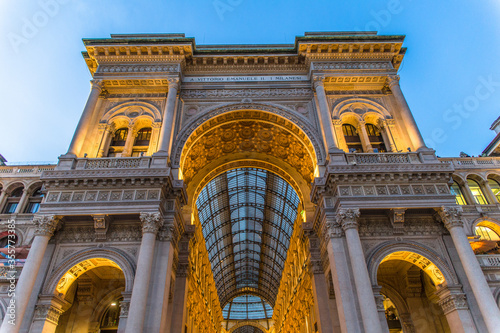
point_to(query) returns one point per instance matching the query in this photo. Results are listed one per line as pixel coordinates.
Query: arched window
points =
(375, 137)
(495, 188)
(111, 317)
(486, 233)
(477, 193)
(352, 138)
(13, 201)
(457, 192)
(141, 143)
(118, 142)
(34, 201)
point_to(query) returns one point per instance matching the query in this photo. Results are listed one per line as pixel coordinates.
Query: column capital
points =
(173, 83)
(151, 222)
(392, 80)
(318, 81)
(124, 307)
(348, 218)
(97, 84)
(47, 312)
(449, 301)
(451, 216)
(46, 225)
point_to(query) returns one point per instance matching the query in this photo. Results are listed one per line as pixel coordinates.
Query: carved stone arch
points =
(493, 174)
(380, 252)
(132, 110)
(33, 186)
(14, 185)
(119, 257)
(350, 105)
(459, 179)
(476, 176)
(247, 323)
(485, 221)
(395, 297)
(298, 120)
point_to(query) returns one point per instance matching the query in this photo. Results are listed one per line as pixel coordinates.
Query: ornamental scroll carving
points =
(151, 222)
(348, 218)
(46, 225)
(451, 216)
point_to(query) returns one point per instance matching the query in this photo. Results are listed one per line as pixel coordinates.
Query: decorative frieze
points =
(338, 65)
(247, 93)
(103, 195)
(137, 68)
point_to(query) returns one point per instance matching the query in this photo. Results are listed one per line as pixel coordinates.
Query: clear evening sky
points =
(450, 75)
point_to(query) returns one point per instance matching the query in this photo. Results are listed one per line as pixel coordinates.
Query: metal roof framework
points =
(247, 217)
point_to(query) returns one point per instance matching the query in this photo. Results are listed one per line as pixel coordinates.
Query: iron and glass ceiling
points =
(247, 217)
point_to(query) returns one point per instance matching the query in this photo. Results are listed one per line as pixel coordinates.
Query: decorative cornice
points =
(392, 80)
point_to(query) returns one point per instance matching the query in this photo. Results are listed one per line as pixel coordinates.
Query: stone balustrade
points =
(489, 260)
(24, 170)
(472, 162)
(383, 158)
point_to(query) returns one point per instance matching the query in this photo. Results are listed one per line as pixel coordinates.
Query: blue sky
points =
(450, 75)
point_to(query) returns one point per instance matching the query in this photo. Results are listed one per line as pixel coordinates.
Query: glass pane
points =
(11, 207)
(486, 233)
(459, 198)
(495, 187)
(477, 193)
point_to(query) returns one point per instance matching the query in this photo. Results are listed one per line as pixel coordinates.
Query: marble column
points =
(363, 135)
(452, 219)
(3, 195)
(404, 111)
(379, 301)
(388, 139)
(348, 219)
(129, 142)
(342, 282)
(151, 222)
(22, 202)
(168, 117)
(488, 193)
(103, 150)
(324, 115)
(88, 111)
(45, 227)
(340, 135)
(454, 304)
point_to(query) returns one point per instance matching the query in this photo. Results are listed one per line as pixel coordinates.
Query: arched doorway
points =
(411, 286)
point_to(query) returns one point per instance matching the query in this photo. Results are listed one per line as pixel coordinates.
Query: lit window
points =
(486, 233)
(120, 137)
(13, 201)
(352, 138)
(495, 187)
(111, 317)
(477, 193)
(375, 137)
(459, 197)
(143, 137)
(34, 201)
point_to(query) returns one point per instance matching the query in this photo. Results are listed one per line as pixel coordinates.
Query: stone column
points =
(88, 111)
(342, 282)
(179, 302)
(454, 304)
(488, 192)
(2, 198)
(406, 115)
(168, 117)
(325, 118)
(45, 227)
(103, 150)
(124, 307)
(319, 286)
(151, 222)
(22, 201)
(452, 219)
(388, 139)
(341, 139)
(365, 140)
(129, 142)
(348, 219)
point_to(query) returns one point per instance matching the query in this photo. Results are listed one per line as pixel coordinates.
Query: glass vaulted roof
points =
(247, 217)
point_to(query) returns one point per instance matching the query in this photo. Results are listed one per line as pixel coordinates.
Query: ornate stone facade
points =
(380, 239)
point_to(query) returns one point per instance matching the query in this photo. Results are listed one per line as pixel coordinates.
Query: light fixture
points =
(113, 304)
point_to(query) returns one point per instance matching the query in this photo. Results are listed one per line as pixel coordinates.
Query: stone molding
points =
(392, 80)
(246, 93)
(348, 218)
(451, 299)
(451, 216)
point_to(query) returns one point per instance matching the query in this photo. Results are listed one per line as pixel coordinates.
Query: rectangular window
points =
(33, 207)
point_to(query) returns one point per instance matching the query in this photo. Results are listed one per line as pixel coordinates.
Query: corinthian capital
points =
(348, 218)
(151, 222)
(97, 84)
(318, 81)
(392, 80)
(45, 224)
(173, 83)
(451, 216)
